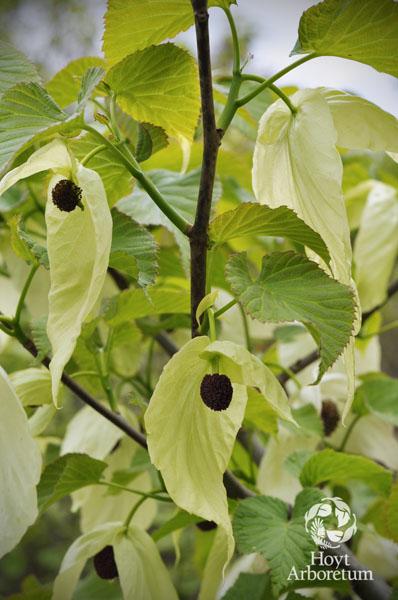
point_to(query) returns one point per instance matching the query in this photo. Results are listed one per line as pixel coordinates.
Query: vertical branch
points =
(211, 141)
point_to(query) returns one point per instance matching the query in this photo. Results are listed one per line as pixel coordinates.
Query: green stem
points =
(230, 106)
(348, 433)
(267, 82)
(224, 308)
(212, 325)
(274, 88)
(133, 511)
(153, 494)
(84, 374)
(133, 167)
(92, 153)
(148, 371)
(104, 378)
(23, 295)
(246, 328)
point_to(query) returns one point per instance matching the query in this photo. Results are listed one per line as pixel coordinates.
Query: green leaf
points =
(361, 30)
(141, 23)
(38, 251)
(25, 246)
(308, 419)
(31, 589)
(392, 513)
(188, 442)
(180, 520)
(250, 585)
(78, 246)
(380, 396)
(115, 177)
(259, 413)
(66, 475)
(133, 249)
(40, 338)
(20, 466)
(135, 304)
(292, 288)
(90, 80)
(254, 219)
(304, 500)
(296, 164)
(14, 67)
(339, 468)
(376, 245)
(126, 349)
(261, 525)
(64, 87)
(26, 110)
(150, 139)
(159, 85)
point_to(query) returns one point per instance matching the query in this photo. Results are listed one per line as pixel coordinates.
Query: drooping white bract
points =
(20, 468)
(78, 244)
(142, 573)
(191, 444)
(376, 245)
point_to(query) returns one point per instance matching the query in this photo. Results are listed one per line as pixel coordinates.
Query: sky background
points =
(53, 32)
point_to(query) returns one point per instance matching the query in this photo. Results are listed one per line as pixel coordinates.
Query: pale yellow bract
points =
(78, 245)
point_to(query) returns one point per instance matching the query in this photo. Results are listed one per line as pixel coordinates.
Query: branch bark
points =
(211, 142)
(83, 395)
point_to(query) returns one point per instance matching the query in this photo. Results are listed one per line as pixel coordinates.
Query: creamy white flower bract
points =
(20, 468)
(78, 245)
(189, 443)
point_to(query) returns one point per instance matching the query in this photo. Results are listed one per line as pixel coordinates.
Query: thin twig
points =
(83, 395)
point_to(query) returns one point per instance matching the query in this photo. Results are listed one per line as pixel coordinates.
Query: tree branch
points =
(81, 393)
(211, 142)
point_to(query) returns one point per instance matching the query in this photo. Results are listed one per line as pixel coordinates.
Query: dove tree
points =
(201, 258)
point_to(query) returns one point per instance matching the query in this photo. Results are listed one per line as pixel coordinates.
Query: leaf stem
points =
(92, 153)
(348, 433)
(224, 308)
(274, 88)
(104, 378)
(245, 328)
(267, 82)
(23, 295)
(133, 167)
(153, 494)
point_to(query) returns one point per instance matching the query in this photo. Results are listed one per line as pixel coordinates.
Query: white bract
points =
(191, 444)
(78, 244)
(20, 468)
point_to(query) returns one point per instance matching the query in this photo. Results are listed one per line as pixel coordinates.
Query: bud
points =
(216, 391)
(206, 525)
(66, 195)
(104, 563)
(330, 416)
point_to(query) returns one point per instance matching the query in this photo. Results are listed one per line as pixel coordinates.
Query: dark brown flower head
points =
(216, 391)
(66, 195)
(330, 416)
(104, 563)
(206, 525)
